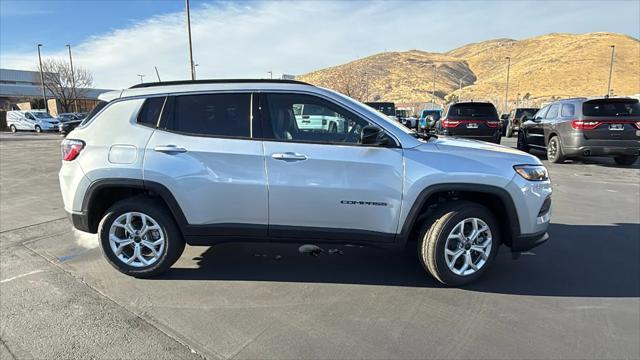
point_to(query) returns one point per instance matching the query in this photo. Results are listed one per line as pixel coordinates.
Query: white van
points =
(32, 120)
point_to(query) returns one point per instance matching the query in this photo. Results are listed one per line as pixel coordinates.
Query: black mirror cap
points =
(373, 135)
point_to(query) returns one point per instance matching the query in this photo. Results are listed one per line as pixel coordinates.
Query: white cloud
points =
(249, 39)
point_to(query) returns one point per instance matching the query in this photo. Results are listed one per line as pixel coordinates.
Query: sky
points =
(118, 39)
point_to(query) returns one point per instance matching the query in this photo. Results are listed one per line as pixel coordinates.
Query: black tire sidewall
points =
(522, 142)
(38, 129)
(174, 244)
(626, 160)
(13, 128)
(559, 157)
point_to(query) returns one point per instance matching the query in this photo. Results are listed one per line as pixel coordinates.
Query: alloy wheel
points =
(468, 246)
(136, 239)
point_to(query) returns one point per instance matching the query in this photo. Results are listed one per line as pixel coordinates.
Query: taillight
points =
(637, 124)
(450, 123)
(584, 125)
(71, 149)
(493, 124)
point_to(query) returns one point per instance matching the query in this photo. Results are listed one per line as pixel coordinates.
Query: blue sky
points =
(118, 39)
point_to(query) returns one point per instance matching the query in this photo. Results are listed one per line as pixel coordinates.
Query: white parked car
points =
(31, 120)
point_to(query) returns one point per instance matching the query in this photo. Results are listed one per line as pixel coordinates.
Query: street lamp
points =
(73, 80)
(191, 65)
(433, 92)
(613, 49)
(270, 74)
(506, 95)
(141, 76)
(44, 94)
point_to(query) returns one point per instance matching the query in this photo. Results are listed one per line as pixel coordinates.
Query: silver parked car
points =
(161, 165)
(31, 120)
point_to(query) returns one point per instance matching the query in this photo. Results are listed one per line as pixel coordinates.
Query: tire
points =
(168, 252)
(509, 132)
(554, 150)
(522, 142)
(38, 129)
(433, 242)
(13, 128)
(625, 160)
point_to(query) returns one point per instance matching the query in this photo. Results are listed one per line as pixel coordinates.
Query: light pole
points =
(433, 92)
(141, 76)
(613, 49)
(191, 65)
(73, 80)
(506, 95)
(44, 94)
(366, 78)
(460, 87)
(270, 74)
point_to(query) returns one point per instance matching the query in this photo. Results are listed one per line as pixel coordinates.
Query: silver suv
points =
(206, 162)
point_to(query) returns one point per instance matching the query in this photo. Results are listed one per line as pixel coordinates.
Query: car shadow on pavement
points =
(605, 161)
(578, 261)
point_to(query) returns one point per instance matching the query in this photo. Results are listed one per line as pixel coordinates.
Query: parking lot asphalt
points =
(577, 296)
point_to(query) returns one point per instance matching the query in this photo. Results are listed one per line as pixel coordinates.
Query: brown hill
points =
(542, 68)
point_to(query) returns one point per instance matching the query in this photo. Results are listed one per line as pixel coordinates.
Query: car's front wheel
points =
(459, 243)
(522, 142)
(140, 238)
(626, 160)
(38, 129)
(13, 128)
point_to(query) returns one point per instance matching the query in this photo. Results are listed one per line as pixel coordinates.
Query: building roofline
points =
(216, 81)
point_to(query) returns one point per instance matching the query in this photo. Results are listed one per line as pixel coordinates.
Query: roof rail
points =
(573, 98)
(215, 81)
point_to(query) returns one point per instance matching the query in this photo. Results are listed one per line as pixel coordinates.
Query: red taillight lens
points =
(450, 123)
(637, 123)
(584, 125)
(493, 124)
(71, 149)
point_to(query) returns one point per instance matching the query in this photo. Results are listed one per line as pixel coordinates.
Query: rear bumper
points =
(600, 150)
(529, 241)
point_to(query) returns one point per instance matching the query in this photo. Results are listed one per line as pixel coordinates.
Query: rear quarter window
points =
(150, 112)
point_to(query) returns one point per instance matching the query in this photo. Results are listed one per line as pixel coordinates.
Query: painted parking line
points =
(21, 276)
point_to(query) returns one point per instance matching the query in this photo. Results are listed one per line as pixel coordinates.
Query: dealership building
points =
(22, 90)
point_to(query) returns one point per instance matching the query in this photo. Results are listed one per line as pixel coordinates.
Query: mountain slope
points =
(544, 67)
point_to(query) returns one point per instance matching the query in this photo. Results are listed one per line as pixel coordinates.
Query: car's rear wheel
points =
(554, 150)
(459, 243)
(13, 128)
(522, 142)
(38, 129)
(625, 160)
(140, 238)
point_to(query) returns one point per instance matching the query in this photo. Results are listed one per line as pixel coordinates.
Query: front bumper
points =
(527, 242)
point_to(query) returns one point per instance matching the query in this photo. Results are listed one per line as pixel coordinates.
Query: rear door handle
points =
(169, 149)
(288, 156)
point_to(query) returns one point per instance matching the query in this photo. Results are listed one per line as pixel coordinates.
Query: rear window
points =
(151, 111)
(611, 107)
(212, 115)
(477, 110)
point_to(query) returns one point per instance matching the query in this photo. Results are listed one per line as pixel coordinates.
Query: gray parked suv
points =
(206, 162)
(585, 127)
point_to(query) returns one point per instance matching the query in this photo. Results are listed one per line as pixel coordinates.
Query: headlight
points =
(532, 172)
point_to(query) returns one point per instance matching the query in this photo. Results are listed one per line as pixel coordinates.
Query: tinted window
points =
(541, 113)
(29, 116)
(473, 110)
(212, 114)
(151, 111)
(327, 123)
(611, 107)
(525, 112)
(553, 111)
(568, 110)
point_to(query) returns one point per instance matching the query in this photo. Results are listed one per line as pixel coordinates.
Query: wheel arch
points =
(497, 199)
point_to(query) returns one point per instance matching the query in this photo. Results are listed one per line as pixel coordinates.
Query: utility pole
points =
(433, 92)
(270, 74)
(141, 76)
(73, 80)
(44, 94)
(506, 95)
(613, 49)
(157, 74)
(191, 66)
(366, 78)
(460, 87)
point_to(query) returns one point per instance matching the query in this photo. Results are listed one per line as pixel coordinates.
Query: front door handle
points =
(288, 156)
(169, 149)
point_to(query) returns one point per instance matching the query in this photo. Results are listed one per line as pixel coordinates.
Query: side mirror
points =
(536, 119)
(373, 135)
(504, 116)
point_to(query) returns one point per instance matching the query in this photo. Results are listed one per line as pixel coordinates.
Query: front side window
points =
(305, 118)
(225, 115)
(553, 111)
(29, 116)
(541, 113)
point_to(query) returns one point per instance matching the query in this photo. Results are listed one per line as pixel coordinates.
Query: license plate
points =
(472, 126)
(616, 127)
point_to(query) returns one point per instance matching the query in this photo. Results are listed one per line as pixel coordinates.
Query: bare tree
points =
(62, 84)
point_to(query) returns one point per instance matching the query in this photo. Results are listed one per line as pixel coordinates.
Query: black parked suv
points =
(585, 127)
(516, 118)
(475, 120)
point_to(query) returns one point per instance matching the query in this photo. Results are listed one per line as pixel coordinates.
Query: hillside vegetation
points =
(542, 68)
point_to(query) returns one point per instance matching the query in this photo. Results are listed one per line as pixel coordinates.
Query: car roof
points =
(170, 87)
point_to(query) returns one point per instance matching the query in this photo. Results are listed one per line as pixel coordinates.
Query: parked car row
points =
(40, 120)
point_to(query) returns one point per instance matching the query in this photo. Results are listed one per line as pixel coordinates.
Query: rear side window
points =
(475, 111)
(611, 107)
(568, 110)
(150, 111)
(226, 115)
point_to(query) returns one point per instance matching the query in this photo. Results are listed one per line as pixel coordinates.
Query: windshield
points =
(527, 112)
(385, 108)
(434, 113)
(42, 115)
(611, 107)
